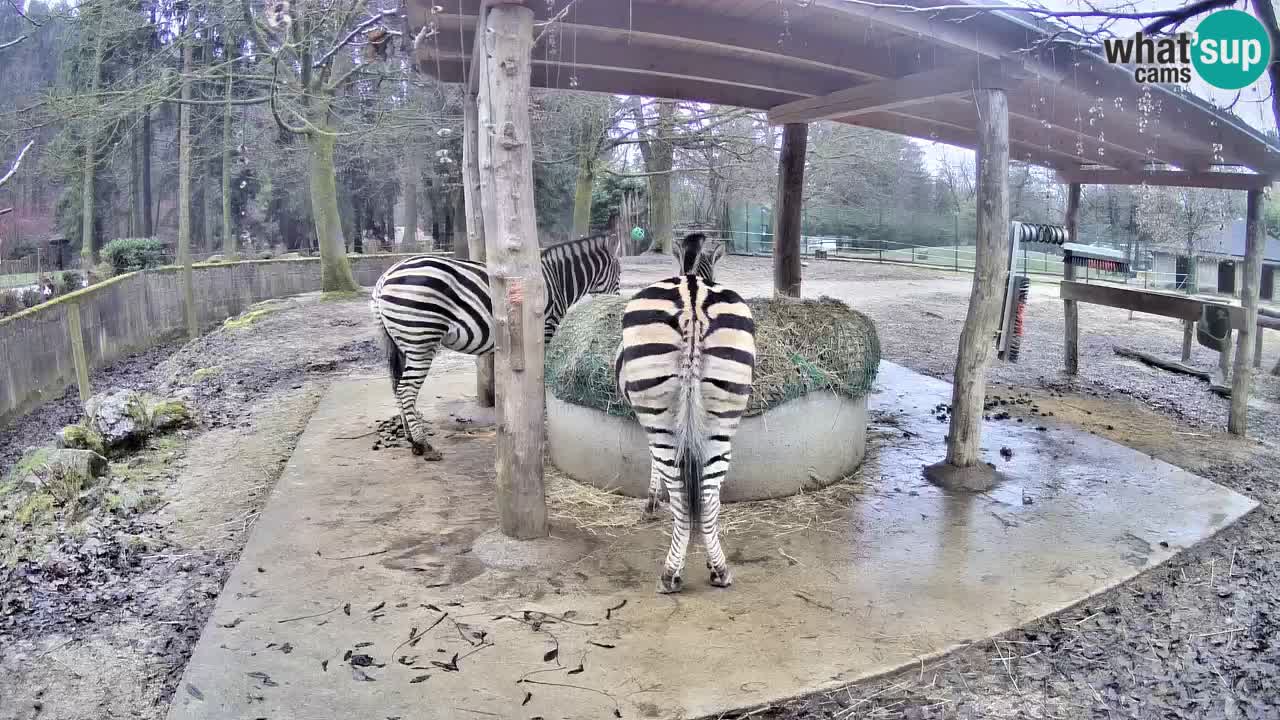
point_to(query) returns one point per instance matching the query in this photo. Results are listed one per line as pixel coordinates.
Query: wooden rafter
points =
(1166, 178)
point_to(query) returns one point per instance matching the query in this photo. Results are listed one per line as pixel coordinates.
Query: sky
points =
(1253, 105)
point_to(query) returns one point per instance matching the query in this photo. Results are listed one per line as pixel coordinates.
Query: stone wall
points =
(137, 311)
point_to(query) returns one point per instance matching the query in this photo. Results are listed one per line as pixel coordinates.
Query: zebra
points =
(685, 364)
(707, 259)
(427, 302)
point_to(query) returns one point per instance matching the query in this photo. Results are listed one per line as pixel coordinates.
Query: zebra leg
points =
(655, 489)
(417, 365)
(670, 581)
(716, 561)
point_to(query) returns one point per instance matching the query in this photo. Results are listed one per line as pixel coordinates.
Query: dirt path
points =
(100, 621)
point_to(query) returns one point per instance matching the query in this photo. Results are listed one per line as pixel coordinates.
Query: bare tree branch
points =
(12, 42)
(355, 32)
(16, 164)
(18, 9)
(1267, 14)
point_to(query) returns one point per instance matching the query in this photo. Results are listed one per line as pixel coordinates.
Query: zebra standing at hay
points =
(427, 302)
(685, 364)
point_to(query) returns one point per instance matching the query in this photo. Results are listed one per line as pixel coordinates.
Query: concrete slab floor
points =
(358, 551)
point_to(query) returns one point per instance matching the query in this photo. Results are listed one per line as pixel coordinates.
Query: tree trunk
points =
(475, 225)
(1071, 311)
(184, 196)
(662, 152)
(228, 231)
(1251, 282)
(148, 222)
(786, 218)
(136, 209)
(210, 213)
(964, 449)
(515, 269)
(88, 237)
(335, 269)
(582, 191)
(410, 203)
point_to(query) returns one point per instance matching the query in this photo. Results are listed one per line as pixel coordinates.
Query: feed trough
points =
(805, 428)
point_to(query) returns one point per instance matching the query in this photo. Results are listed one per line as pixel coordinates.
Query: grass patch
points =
(203, 374)
(246, 319)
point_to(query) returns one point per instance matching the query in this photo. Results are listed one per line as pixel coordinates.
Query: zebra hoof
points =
(668, 584)
(651, 507)
(721, 578)
(427, 452)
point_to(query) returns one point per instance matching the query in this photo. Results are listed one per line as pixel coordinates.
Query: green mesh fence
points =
(802, 346)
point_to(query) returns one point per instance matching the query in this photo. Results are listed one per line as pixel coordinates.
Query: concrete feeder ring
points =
(805, 426)
(803, 444)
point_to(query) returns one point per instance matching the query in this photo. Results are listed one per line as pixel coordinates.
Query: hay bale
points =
(802, 346)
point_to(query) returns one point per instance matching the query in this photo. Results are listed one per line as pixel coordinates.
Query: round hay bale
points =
(805, 426)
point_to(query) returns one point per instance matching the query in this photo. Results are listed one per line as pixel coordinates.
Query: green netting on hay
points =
(802, 346)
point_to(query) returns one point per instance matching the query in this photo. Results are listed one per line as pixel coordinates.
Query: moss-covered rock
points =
(246, 319)
(203, 374)
(168, 414)
(81, 437)
(125, 419)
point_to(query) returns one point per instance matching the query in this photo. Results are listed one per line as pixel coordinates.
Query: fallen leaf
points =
(363, 645)
(527, 697)
(418, 679)
(608, 614)
(286, 648)
(606, 646)
(346, 609)
(324, 665)
(231, 624)
(551, 655)
(361, 660)
(263, 678)
(194, 692)
(576, 670)
(347, 656)
(378, 607)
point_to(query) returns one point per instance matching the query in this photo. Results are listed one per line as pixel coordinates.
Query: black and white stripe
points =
(686, 364)
(707, 258)
(427, 302)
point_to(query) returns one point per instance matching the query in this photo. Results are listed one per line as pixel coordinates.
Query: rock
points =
(124, 419)
(40, 466)
(81, 437)
(119, 417)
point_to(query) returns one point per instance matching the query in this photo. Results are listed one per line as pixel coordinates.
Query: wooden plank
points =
(75, 333)
(515, 270)
(893, 93)
(1071, 333)
(1188, 333)
(1167, 178)
(1159, 362)
(1255, 240)
(1257, 348)
(475, 221)
(1182, 307)
(786, 220)
(976, 339)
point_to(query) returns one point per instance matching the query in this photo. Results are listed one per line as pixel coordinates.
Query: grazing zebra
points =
(427, 302)
(685, 364)
(707, 259)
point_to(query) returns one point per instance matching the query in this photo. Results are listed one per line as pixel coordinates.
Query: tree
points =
(1182, 219)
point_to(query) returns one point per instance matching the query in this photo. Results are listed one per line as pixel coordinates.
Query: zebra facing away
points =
(685, 364)
(427, 302)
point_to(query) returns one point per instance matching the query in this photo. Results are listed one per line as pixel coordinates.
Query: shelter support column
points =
(514, 263)
(475, 220)
(786, 216)
(1242, 374)
(1071, 311)
(963, 466)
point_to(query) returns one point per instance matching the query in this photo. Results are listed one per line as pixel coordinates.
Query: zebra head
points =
(695, 255)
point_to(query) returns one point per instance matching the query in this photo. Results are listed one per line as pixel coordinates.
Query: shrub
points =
(10, 303)
(130, 254)
(68, 282)
(32, 297)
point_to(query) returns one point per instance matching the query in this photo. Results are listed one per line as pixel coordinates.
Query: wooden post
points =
(515, 268)
(786, 216)
(75, 332)
(1257, 350)
(964, 466)
(475, 217)
(1188, 332)
(1255, 239)
(1071, 311)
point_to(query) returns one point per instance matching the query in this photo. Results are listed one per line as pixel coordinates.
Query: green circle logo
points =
(1232, 49)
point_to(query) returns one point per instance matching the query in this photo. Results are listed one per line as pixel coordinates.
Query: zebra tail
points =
(395, 358)
(690, 436)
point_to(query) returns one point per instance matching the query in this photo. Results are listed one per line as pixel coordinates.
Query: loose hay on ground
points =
(603, 513)
(802, 346)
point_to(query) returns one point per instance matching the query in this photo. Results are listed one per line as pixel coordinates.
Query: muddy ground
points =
(100, 624)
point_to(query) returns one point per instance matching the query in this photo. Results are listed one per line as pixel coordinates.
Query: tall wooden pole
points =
(475, 217)
(514, 262)
(184, 196)
(963, 466)
(1071, 337)
(1255, 239)
(786, 216)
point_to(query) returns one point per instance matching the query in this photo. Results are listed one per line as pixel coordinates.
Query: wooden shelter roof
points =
(907, 69)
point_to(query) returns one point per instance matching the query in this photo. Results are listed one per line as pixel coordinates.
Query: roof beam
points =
(1166, 178)
(893, 93)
